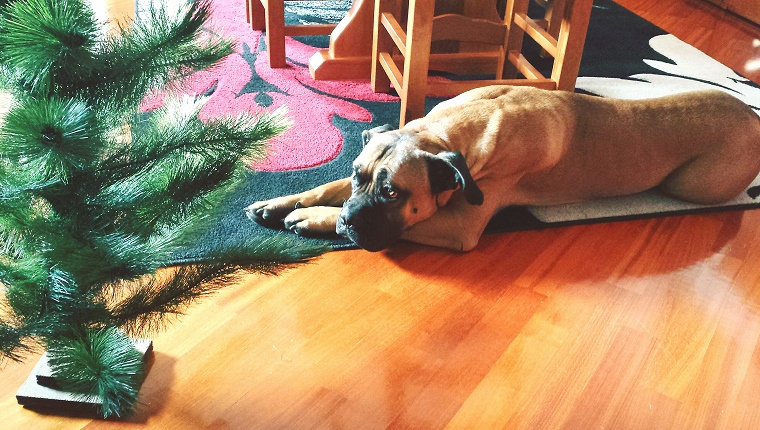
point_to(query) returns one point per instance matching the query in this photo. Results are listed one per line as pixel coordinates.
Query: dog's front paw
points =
(271, 213)
(313, 221)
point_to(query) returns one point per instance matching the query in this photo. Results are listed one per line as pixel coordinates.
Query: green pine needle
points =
(157, 52)
(48, 140)
(176, 162)
(175, 131)
(99, 258)
(147, 305)
(47, 39)
(268, 255)
(99, 362)
(25, 282)
(14, 342)
(151, 303)
(16, 214)
(70, 305)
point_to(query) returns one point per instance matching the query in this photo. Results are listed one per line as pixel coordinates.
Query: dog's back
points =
(566, 147)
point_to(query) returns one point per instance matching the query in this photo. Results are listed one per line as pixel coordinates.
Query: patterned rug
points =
(624, 57)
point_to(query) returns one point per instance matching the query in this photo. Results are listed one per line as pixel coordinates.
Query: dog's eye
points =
(389, 193)
(358, 178)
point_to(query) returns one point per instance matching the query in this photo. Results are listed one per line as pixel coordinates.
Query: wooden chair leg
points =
(275, 30)
(381, 42)
(255, 14)
(554, 16)
(416, 60)
(515, 35)
(570, 50)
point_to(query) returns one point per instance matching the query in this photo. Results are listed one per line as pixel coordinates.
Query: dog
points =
(439, 179)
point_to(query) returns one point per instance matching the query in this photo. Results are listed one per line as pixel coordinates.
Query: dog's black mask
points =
(367, 224)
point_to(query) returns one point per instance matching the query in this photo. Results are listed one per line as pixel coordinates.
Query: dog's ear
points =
(368, 134)
(447, 171)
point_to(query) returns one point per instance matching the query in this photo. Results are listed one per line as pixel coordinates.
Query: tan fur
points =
(533, 147)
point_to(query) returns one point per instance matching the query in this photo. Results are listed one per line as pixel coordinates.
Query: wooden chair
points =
(554, 10)
(403, 58)
(269, 16)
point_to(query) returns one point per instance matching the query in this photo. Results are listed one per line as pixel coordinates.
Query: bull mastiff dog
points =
(440, 179)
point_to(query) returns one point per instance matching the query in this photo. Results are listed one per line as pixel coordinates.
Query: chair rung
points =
(391, 69)
(534, 30)
(308, 30)
(465, 63)
(523, 66)
(465, 29)
(395, 31)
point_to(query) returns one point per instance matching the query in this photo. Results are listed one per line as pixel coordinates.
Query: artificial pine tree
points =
(96, 198)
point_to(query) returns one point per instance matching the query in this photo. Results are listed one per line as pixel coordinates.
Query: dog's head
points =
(396, 184)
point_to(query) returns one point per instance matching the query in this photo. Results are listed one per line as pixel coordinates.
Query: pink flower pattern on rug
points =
(313, 139)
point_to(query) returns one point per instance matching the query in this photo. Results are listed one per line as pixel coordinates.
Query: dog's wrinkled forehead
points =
(386, 154)
(386, 149)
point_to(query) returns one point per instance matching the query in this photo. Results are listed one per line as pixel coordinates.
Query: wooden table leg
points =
(350, 52)
(255, 14)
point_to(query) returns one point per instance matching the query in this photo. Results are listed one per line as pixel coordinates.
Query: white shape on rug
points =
(691, 70)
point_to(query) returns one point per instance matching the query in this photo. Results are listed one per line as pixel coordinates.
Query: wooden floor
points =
(636, 325)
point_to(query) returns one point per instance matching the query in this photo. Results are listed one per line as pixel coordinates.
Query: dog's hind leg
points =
(714, 178)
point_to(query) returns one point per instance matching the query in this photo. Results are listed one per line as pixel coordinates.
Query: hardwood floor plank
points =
(648, 324)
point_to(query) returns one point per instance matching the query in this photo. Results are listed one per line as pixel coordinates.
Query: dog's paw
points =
(313, 221)
(271, 213)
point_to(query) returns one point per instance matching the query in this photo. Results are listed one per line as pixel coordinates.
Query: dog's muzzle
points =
(367, 225)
